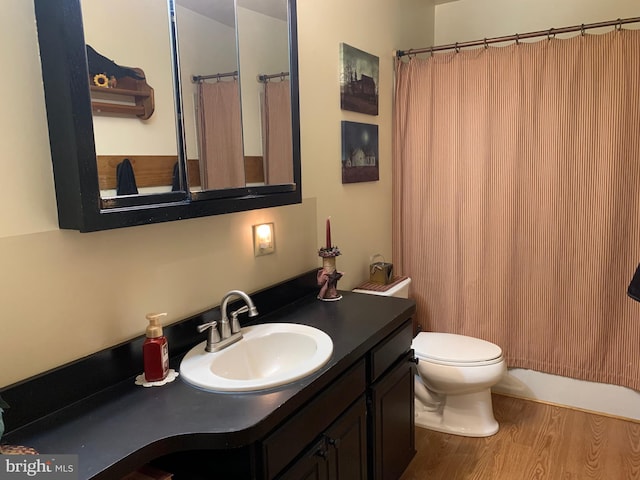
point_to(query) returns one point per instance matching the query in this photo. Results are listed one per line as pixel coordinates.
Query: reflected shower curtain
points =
(516, 199)
(221, 153)
(276, 132)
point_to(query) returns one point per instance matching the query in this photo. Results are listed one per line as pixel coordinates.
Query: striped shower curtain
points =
(220, 133)
(516, 199)
(276, 132)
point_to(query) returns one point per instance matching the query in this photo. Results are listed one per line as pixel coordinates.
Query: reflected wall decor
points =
(359, 152)
(358, 80)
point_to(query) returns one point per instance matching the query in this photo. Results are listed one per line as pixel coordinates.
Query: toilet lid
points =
(452, 349)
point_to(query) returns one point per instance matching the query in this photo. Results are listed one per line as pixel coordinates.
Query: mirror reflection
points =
(133, 119)
(207, 43)
(236, 114)
(253, 47)
(266, 95)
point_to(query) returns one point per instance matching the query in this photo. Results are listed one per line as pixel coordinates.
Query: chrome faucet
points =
(229, 332)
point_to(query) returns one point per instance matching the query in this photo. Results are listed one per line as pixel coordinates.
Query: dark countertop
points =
(125, 426)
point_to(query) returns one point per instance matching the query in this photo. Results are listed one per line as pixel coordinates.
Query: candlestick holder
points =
(328, 276)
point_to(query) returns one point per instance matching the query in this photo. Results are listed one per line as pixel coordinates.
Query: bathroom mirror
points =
(160, 136)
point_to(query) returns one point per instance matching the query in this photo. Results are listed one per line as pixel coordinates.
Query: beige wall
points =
(360, 213)
(65, 295)
(195, 30)
(466, 20)
(264, 48)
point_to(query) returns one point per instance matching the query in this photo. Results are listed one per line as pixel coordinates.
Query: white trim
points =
(595, 397)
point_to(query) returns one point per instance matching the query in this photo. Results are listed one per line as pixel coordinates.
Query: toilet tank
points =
(397, 288)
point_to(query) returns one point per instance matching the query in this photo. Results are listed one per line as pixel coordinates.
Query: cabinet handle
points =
(335, 442)
(322, 452)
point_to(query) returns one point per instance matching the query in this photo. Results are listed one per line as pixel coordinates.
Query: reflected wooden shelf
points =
(149, 170)
(131, 98)
(157, 170)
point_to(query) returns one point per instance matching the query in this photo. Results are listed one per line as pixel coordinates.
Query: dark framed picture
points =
(359, 73)
(359, 152)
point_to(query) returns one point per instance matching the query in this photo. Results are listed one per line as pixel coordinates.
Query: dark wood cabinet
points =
(317, 422)
(372, 439)
(341, 452)
(390, 397)
(359, 427)
(311, 466)
(391, 423)
(347, 444)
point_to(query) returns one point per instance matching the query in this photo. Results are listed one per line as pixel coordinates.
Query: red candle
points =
(328, 233)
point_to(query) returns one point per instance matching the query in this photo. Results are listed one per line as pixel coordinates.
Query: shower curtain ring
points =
(549, 34)
(582, 30)
(457, 48)
(431, 51)
(486, 44)
(517, 39)
(619, 25)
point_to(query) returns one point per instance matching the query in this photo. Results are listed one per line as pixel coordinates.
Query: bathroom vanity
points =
(352, 419)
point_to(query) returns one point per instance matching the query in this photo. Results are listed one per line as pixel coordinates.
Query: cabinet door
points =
(311, 423)
(341, 452)
(312, 466)
(392, 423)
(347, 442)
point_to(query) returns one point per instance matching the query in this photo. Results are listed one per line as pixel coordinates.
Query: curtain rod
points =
(199, 78)
(519, 36)
(264, 78)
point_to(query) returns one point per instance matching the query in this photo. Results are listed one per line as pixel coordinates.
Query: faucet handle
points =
(253, 311)
(235, 324)
(205, 326)
(214, 336)
(244, 309)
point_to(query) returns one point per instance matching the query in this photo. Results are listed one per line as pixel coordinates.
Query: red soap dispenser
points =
(155, 350)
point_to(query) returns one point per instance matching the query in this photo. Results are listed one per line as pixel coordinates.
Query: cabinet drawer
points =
(385, 354)
(282, 446)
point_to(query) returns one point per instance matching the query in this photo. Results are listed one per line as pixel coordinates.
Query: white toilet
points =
(455, 376)
(453, 385)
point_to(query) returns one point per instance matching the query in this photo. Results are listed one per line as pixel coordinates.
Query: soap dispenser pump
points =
(155, 350)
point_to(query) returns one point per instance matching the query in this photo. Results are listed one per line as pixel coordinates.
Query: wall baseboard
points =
(601, 398)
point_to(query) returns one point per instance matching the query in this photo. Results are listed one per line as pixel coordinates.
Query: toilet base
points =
(468, 415)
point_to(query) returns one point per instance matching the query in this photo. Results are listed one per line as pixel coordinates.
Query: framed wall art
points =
(359, 73)
(359, 152)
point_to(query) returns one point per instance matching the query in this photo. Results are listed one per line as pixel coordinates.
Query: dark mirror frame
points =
(69, 116)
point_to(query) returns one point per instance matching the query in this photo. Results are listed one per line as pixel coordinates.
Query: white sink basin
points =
(269, 355)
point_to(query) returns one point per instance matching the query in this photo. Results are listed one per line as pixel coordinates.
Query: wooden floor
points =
(535, 441)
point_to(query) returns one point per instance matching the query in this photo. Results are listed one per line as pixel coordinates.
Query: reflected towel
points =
(125, 179)
(175, 178)
(634, 287)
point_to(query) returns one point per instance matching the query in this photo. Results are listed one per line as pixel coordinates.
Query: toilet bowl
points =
(455, 376)
(453, 384)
